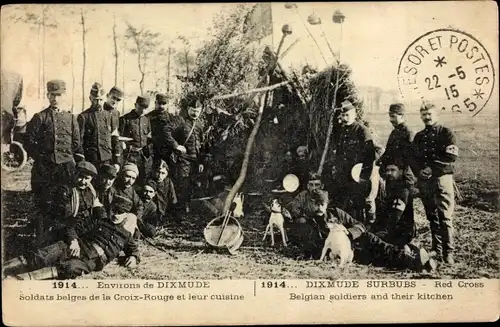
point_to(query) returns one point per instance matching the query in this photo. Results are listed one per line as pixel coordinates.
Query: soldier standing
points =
(137, 126)
(183, 135)
(435, 151)
(98, 131)
(114, 97)
(399, 143)
(53, 141)
(355, 145)
(161, 101)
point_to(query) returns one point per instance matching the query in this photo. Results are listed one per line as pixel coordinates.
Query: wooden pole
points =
(248, 150)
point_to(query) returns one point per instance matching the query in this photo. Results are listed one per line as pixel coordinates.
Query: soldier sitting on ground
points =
(123, 191)
(105, 181)
(395, 220)
(89, 246)
(84, 202)
(369, 248)
(149, 222)
(165, 199)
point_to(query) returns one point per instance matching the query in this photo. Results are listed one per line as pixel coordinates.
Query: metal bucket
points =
(232, 237)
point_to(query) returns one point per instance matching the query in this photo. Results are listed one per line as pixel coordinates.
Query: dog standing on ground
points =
(339, 245)
(277, 218)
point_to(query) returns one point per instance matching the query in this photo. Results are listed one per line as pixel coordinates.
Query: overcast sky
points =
(374, 35)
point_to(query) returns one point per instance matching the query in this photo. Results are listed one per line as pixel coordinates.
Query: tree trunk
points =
(116, 50)
(168, 69)
(72, 82)
(40, 84)
(43, 50)
(187, 63)
(84, 59)
(123, 79)
(141, 82)
(246, 158)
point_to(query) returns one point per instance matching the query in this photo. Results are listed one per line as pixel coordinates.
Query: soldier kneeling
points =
(90, 245)
(312, 230)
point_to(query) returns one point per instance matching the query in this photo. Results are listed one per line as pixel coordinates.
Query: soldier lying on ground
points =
(369, 248)
(300, 205)
(89, 246)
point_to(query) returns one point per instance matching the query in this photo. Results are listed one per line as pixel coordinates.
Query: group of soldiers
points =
(383, 230)
(101, 164)
(128, 176)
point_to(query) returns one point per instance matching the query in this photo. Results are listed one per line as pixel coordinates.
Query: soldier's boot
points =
(447, 240)
(15, 265)
(40, 274)
(417, 259)
(437, 242)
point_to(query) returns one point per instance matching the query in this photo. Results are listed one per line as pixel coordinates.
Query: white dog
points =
(238, 211)
(277, 218)
(339, 245)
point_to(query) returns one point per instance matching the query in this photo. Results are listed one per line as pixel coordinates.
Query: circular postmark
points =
(450, 68)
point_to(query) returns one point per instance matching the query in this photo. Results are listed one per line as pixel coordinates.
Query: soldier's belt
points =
(100, 252)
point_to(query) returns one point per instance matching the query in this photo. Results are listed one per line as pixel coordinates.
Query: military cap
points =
(427, 105)
(97, 90)
(346, 106)
(108, 171)
(56, 86)
(117, 92)
(161, 98)
(86, 168)
(143, 101)
(131, 167)
(152, 184)
(397, 108)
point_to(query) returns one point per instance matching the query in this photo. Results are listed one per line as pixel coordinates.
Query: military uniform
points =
(399, 145)
(368, 247)
(177, 131)
(123, 200)
(355, 145)
(100, 241)
(96, 129)
(53, 141)
(137, 127)
(165, 198)
(157, 119)
(115, 114)
(396, 221)
(435, 148)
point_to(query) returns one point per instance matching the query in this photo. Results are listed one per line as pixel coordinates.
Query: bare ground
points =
(183, 254)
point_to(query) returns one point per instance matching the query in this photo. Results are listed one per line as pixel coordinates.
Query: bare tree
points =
(116, 49)
(145, 43)
(39, 20)
(185, 52)
(84, 54)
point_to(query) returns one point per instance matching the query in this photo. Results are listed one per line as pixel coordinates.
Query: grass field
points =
(184, 256)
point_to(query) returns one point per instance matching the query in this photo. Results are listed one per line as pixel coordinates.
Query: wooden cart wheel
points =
(14, 158)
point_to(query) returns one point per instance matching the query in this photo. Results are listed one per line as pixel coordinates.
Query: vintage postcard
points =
(249, 163)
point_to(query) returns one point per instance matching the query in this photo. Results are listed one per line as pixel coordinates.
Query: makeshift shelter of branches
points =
(320, 89)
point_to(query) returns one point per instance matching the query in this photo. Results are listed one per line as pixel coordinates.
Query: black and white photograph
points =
(227, 141)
